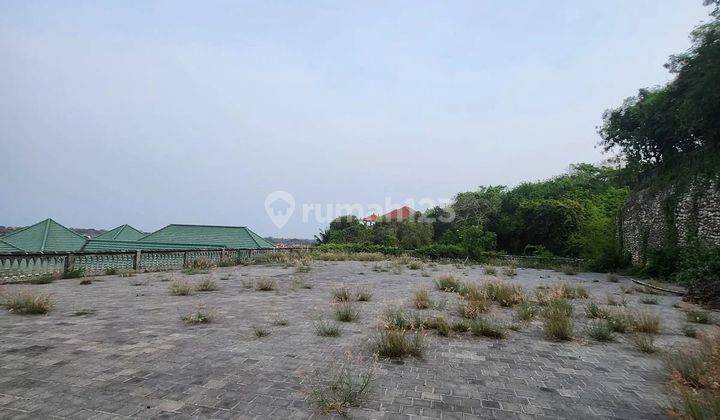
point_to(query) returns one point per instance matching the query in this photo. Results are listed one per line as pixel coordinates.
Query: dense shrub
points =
(359, 247)
(441, 251)
(699, 270)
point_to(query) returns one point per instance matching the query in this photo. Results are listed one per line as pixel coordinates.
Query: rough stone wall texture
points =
(653, 216)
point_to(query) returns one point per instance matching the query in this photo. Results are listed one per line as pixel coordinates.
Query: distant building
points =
(397, 215)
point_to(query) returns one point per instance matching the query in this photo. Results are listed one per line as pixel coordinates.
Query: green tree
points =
(661, 124)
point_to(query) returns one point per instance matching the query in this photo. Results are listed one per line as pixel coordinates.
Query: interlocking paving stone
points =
(134, 357)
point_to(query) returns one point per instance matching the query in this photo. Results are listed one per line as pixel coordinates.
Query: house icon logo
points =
(280, 206)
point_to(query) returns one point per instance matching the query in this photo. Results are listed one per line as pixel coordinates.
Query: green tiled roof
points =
(45, 236)
(99, 245)
(6, 247)
(121, 233)
(225, 236)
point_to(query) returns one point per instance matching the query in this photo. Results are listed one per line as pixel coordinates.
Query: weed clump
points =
(644, 343)
(265, 285)
(399, 343)
(505, 294)
(346, 312)
(447, 283)
(438, 324)
(342, 294)
(181, 288)
(698, 317)
(695, 373)
(44, 279)
(649, 300)
(325, 328)
(206, 285)
(27, 303)
(482, 327)
(645, 322)
(557, 320)
(421, 299)
(600, 331)
(261, 332)
(569, 269)
(595, 311)
(363, 295)
(526, 311)
(345, 386)
(198, 316)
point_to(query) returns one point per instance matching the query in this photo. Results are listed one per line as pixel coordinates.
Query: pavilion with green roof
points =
(50, 236)
(45, 236)
(121, 233)
(238, 237)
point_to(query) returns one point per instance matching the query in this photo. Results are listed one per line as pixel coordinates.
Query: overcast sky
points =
(151, 113)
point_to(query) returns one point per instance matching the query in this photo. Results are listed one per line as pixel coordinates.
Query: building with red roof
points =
(397, 215)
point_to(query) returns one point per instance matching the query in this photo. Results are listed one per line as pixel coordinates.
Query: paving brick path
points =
(135, 357)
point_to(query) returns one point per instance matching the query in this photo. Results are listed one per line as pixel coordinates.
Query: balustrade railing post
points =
(136, 260)
(69, 263)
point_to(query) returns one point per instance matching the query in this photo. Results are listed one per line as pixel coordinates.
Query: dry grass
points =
(560, 291)
(27, 302)
(483, 327)
(198, 316)
(265, 284)
(644, 343)
(448, 283)
(421, 299)
(261, 332)
(325, 328)
(399, 343)
(595, 311)
(206, 285)
(415, 265)
(342, 294)
(613, 278)
(505, 294)
(86, 281)
(646, 322)
(695, 373)
(346, 312)
(363, 294)
(509, 271)
(526, 311)
(569, 269)
(557, 320)
(471, 309)
(181, 288)
(438, 324)
(44, 278)
(619, 320)
(460, 326)
(490, 270)
(396, 318)
(345, 385)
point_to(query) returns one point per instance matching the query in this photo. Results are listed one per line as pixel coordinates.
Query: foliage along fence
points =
(18, 267)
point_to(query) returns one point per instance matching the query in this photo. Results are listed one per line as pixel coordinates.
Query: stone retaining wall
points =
(654, 217)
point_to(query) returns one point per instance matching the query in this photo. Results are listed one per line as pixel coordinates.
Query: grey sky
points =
(161, 112)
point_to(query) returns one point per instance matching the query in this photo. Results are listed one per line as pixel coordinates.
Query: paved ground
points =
(135, 357)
